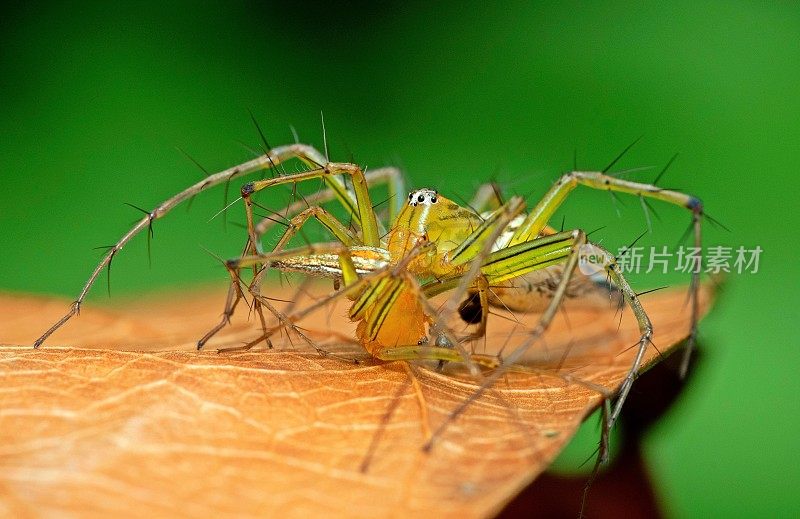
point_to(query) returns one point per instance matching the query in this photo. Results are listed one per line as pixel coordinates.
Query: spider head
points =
(422, 197)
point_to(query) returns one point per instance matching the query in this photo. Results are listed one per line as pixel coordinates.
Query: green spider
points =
(429, 246)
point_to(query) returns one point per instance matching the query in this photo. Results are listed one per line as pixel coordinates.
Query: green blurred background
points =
(95, 99)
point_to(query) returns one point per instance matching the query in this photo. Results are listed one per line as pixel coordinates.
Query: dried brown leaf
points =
(129, 421)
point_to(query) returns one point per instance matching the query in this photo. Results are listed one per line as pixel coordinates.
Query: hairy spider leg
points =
(362, 211)
(540, 253)
(543, 211)
(391, 176)
(329, 172)
(360, 267)
(269, 160)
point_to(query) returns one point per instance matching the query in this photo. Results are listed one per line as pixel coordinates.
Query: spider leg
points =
(231, 301)
(300, 212)
(487, 197)
(504, 271)
(390, 176)
(360, 209)
(333, 260)
(540, 253)
(275, 157)
(324, 257)
(379, 297)
(543, 211)
(330, 222)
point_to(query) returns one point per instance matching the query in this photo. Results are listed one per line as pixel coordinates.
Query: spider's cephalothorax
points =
(430, 217)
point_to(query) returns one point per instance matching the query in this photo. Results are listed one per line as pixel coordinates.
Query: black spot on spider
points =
(470, 310)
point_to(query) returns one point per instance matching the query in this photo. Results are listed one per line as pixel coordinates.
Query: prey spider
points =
(481, 255)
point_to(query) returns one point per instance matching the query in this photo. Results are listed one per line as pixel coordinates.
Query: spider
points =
(430, 246)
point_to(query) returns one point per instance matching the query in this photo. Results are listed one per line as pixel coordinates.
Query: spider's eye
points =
(410, 196)
(421, 198)
(433, 199)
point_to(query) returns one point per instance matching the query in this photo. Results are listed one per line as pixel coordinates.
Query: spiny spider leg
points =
(330, 255)
(330, 222)
(390, 176)
(275, 157)
(540, 253)
(297, 213)
(539, 216)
